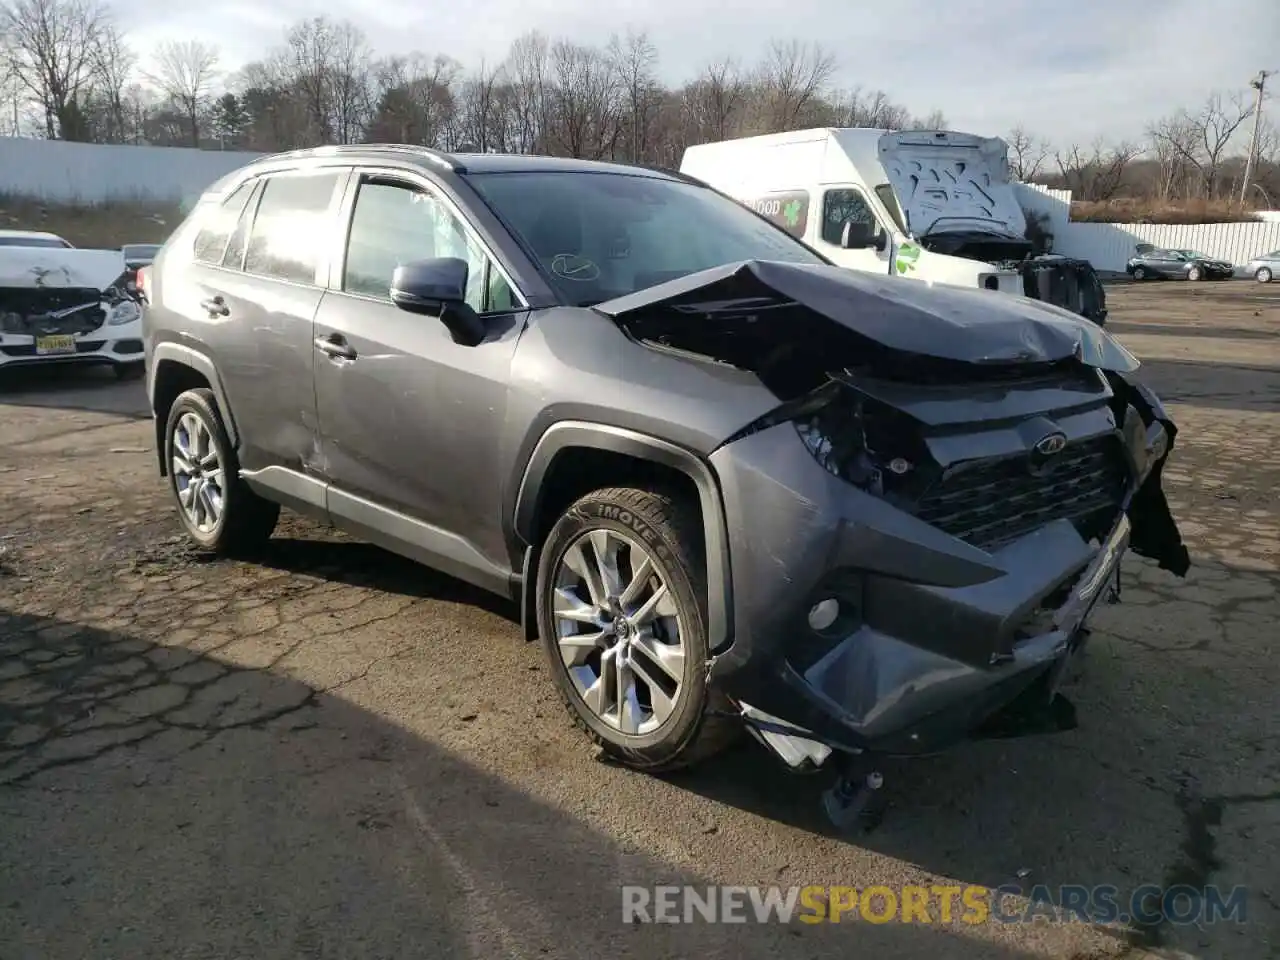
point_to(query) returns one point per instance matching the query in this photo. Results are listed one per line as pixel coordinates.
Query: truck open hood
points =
(41, 267)
(744, 313)
(946, 180)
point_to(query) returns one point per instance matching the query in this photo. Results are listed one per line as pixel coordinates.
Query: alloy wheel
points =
(197, 473)
(619, 631)
(1263, 275)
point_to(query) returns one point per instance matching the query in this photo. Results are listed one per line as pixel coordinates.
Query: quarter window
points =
(395, 223)
(212, 238)
(234, 256)
(842, 206)
(290, 227)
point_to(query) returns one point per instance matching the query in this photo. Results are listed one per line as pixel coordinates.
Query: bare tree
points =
(417, 99)
(714, 102)
(113, 65)
(1027, 154)
(1097, 173)
(793, 79)
(49, 49)
(1201, 139)
(528, 67)
(585, 102)
(633, 59)
(184, 74)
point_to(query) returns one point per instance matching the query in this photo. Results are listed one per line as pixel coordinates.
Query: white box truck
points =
(932, 205)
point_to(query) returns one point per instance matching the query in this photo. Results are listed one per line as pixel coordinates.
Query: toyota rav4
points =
(729, 484)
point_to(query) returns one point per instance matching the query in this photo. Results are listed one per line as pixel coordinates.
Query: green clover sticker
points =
(906, 259)
(791, 213)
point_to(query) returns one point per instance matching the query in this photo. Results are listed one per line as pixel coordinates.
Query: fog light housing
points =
(823, 614)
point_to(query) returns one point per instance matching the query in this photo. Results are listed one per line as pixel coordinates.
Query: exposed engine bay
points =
(50, 292)
(1067, 282)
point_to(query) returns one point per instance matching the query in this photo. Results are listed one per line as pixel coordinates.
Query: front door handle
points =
(336, 346)
(215, 306)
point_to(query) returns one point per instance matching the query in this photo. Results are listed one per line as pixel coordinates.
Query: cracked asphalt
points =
(335, 753)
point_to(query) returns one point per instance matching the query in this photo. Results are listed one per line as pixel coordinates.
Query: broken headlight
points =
(865, 442)
(126, 311)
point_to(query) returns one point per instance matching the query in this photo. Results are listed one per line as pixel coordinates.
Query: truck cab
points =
(931, 205)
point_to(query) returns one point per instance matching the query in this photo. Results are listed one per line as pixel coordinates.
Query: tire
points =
(129, 371)
(1139, 273)
(668, 532)
(1263, 275)
(244, 521)
(1195, 274)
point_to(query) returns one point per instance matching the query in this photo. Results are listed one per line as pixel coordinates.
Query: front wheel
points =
(1139, 273)
(1263, 275)
(216, 506)
(621, 602)
(1195, 273)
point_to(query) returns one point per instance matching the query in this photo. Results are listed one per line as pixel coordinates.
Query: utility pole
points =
(1259, 84)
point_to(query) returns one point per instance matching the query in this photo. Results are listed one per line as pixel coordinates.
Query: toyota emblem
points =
(1052, 444)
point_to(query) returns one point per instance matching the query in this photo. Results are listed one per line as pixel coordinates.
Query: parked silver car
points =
(1263, 268)
(727, 483)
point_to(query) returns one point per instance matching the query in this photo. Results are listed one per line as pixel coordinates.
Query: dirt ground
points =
(335, 753)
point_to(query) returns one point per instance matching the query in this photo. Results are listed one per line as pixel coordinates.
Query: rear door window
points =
(291, 226)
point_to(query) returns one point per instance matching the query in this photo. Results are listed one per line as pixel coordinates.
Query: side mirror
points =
(860, 235)
(438, 288)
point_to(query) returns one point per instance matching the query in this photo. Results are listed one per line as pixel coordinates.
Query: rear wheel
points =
(1263, 275)
(621, 602)
(216, 506)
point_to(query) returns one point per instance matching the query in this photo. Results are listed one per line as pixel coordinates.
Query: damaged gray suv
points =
(730, 485)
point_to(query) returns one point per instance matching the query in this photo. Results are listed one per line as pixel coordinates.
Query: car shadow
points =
(302, 547)
(159, 803)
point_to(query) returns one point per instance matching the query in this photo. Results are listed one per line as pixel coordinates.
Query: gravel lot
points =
(335, 753)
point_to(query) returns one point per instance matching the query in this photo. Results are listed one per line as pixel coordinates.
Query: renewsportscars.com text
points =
(1145, 905)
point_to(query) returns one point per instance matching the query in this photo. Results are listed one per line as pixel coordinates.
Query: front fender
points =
(567, 435)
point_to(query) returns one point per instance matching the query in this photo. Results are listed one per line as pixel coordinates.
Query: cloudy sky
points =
(987, 64)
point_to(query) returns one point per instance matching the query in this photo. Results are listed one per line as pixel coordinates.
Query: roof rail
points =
(438, 157)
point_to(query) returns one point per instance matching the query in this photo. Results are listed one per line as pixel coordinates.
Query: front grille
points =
(29, 310)
(991, 502)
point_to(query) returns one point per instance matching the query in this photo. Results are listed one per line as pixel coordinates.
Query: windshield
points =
(604, 235)
(32, 242)
(1193, 254)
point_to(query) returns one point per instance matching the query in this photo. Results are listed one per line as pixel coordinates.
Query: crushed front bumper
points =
(941, 637)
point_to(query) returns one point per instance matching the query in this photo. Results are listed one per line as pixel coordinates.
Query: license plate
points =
(45, 346)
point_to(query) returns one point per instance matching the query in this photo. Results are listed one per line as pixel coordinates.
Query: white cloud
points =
(1070, 72)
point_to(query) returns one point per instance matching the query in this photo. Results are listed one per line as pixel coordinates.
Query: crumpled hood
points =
(37, 267)
(947, 180)
(907, 316)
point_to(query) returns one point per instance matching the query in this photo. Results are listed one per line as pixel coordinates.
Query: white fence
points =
(91, 173)
(94, 172)
(1108, 245)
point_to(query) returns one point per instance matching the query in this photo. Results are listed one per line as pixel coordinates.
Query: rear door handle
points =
(216, 307)
(336, 346)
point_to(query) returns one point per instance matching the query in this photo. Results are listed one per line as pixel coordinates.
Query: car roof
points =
(31, 234)
(463, 163)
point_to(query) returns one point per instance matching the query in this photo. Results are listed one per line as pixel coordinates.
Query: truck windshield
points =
(603, 235)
